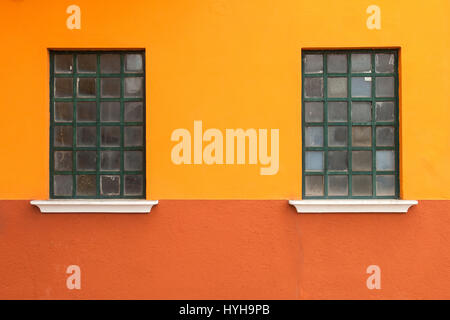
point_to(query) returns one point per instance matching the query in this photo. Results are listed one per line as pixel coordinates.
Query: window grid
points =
(74, 75)
(349, 124)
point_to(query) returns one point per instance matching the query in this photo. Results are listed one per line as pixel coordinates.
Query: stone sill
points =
(95, 205)
(352, 206)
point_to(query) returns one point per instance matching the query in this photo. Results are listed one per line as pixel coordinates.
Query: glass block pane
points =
(313, 87)
(313, 185)
(337, 111)
(337, 136)
(362, 185)
(63, 87)
(63, 63)
(110, 160)
(337, 185)
(110, 185)
(384, 87)
(134, 136)
(110, 87)
(86, 136)
(86, 111)
(133, 160)
(86, 160)
(361, 111)
(362, 160)
(134, 87)
(337, 87)
(384, 62)
(87, 63)
(361, 136)
(361, 62)
(86, 185)
(361, 87)
(385, 136)
(110, 136)
(134, 111)
(313, 63)
(314, 160)
(314, 111)
(62, 185)
(63, 111)
(110, 111)
(314, 136)
(384, 111)
(385, 185)
(337, 160)
(87, 87)
(110, 63)
(133, 62)
(63, 160)
(134, 185)
(385, 160)
(337, 63)
(62, 136)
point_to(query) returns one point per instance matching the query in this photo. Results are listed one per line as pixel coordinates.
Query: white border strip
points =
(352, 206)
(106, 206)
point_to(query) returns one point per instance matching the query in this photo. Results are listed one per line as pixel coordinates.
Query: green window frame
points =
(342, 158)
(97, 124)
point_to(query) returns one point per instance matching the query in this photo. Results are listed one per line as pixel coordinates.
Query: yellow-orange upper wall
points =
(231, 64)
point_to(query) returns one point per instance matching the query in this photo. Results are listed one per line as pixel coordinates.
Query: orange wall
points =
(232, 64)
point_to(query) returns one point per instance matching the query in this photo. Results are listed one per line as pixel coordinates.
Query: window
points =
(350, 124)
(97, 126)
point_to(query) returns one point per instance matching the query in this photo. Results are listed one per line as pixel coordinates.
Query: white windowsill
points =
(352, 206)
(95, 205)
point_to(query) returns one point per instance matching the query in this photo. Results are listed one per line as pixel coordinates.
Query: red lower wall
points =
(224, 249)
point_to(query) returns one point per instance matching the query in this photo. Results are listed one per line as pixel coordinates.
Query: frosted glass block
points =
(337, 160)
(337, 63)
(110, 111)
(134, 136)
(384, 111)
(361, 136)
(313, 87)
(362, 185)
(62, 136)
(134, 87)
(337, 185)
(313, 185)
(63, 111)
(314, 160)
(110, 63)
(133, 62)
(385, 160)
(134, 111)
(361, 111)
(86, 185)
(385, 185)
(63, 87)
(87, 136)
(314, 136)
(384, 87)
(63, 63)
(110, 136)
(337, 87)
(313, 63)
(385, 136)
(86, 160)
(110, 160)
(110, 87)
(362, 160)
(110, 185)
(314, 111)
(87, 63)
(62, 185)
(134, 185)
(63, 160)
(133, 160)
(87, 87)
(337, 136)
(361, 62)
(361, 87)
(384, 62)
(86, 111)
(337, 111)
